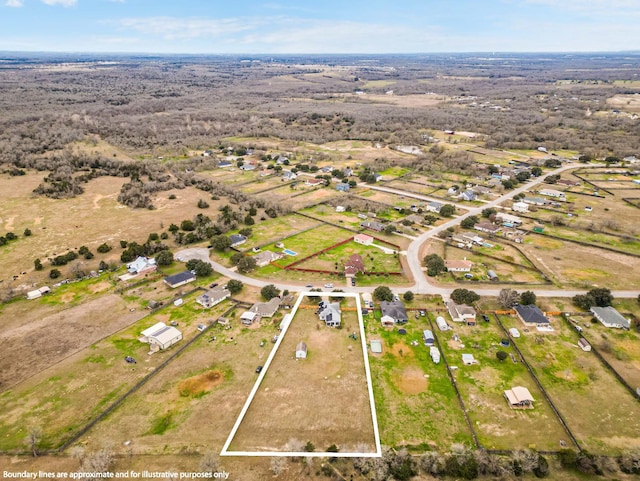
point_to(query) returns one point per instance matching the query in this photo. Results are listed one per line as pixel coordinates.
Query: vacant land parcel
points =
(321, 399)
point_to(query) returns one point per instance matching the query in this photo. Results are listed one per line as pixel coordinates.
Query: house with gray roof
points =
(266, 309)
(330, 313)
(266, 257)
(395, 310)
(237, 239)
(376, 226)
(610, 317)
(213, 297)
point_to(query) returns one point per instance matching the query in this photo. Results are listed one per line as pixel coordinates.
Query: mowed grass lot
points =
(322, 399)
(415, 400)
(271, 230)
(329, 214)
(482, 388)
(310, 241)
(600, 412)
(571, 264)
(375, 260)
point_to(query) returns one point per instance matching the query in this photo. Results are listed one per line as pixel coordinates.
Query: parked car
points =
(130, 360)
(422, 313)
(215, 284)
(485, 317)
(258, 369)
(328, 286)
(201, 327)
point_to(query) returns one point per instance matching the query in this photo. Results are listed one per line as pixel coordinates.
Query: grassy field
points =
(585, 266)
(322, 399)
(310, 241)
(272, 229)
(375, 260)
(603, 416)
(482, 388)
(415, 400)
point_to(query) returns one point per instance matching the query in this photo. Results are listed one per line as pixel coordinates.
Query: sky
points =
(319, 26)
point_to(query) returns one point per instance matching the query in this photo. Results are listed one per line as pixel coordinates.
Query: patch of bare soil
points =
(400, 349)
(200, 384)
(99, 287)
(39, 341)
(411, 381)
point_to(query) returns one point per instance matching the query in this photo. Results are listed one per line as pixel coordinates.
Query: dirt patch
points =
(400, 349)
(411, 381)
(31, 345)
(202, 383)
(68, 297)
(99, 287)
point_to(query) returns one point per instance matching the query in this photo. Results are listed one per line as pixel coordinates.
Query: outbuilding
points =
(301, 350)
(428, 338)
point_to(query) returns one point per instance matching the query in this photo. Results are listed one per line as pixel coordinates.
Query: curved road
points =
(422, 285)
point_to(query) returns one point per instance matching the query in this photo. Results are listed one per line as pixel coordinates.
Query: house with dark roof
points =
(531, 315)
(434, 206)
(180, 279)
(468, 195)
(330, 313)
(354, 265)
(610, 317)
(487, 227)
(237, 239)
(395, 310)
(376, 226)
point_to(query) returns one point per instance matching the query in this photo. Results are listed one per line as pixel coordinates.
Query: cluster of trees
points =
(10, 236)
(201, 268)
(464, 296)
(245, 263)
(598, 296)
(434, 264)
(269, 291)
(132, 250)
(507, 298)
(461, 463)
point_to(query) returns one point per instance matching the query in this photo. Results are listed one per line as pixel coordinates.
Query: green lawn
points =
(415, 400)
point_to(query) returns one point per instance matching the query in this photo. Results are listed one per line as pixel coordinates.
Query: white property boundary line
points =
(374, 418)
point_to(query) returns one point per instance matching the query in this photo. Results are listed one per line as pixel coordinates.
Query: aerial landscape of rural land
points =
(337, 258)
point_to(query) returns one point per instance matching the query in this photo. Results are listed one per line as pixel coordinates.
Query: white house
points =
(160, 336)
(340, 208)
(330, 313)
(364, 239)
(609, 317)
(434, 207)
(301, 350)
(455, 265)
(553, 193)
(141, 265)
(442, 324)
(511, 219)
(520, 207)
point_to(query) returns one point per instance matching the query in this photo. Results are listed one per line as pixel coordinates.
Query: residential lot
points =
(600, 412)
(322, 399)
(415, 400)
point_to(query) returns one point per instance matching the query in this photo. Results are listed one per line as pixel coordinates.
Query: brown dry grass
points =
(200, 384)
(322, 399)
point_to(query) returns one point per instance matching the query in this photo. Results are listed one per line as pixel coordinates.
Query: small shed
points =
(387, 321)
(514, 332)
(468, 359)
(248, 317)
(285, 322)
(376, 346)
(427, 335)
(519, 397)
(492, 276)
(584, 344)
(301, 350)
(442, 324)
(434, 352)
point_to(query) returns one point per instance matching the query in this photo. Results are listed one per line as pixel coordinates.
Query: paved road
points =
(422, 285)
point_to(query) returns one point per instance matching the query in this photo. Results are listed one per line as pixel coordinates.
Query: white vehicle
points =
(328, 286)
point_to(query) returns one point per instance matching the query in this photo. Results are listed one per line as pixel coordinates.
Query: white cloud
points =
(14, 3)
(593, 7)
(63, 3)
(173, 28)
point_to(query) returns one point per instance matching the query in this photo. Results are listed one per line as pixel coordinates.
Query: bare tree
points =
(277, 465)
(32, 440)
(508, 298)
(96, 462)
(209, 462)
